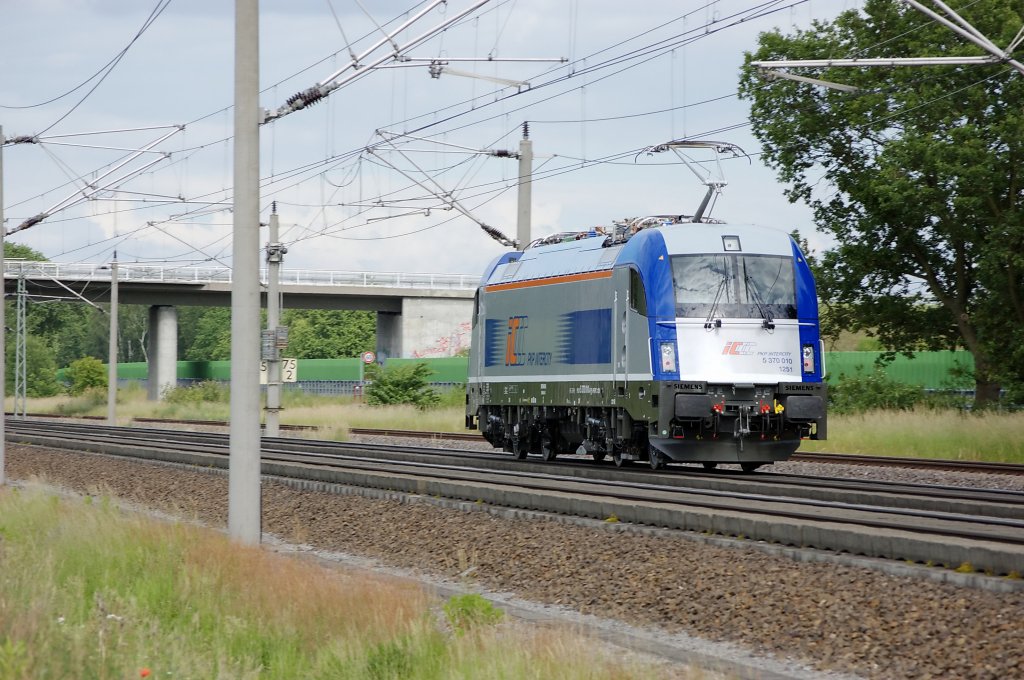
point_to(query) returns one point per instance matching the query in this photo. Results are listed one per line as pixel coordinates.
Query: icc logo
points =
(515, 341)
(739, 348)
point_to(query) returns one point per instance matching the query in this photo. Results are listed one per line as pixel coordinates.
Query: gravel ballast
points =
(829, 616)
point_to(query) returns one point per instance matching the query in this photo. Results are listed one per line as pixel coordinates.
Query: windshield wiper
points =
(711, 321)
(768, 322)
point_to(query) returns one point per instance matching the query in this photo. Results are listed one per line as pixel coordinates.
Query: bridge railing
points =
(176, 273)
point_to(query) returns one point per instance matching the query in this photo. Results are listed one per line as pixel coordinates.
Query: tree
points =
(926, 187)
(40, 369)
(133, 332)
(40, 359)
(212, 339)
(18, 251)
(312, 333)
(327, 334)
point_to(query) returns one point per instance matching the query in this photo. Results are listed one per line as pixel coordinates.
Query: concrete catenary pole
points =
(112, 347)
(523, 227)
(275, 254)
(244, 439)
(3, 326)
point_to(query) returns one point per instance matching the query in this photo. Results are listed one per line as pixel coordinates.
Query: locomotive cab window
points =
(637, 296)
(734, 286)
(476, 306)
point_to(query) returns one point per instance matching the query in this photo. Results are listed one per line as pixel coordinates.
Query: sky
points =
(367, 178)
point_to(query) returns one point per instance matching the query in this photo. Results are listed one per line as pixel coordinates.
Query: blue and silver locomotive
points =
(659, 339)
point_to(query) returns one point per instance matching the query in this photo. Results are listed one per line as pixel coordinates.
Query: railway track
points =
(156, 421)
(839, 458)
(943, 525)
(828, 458)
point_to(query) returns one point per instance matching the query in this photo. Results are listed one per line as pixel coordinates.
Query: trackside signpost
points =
(365, 359)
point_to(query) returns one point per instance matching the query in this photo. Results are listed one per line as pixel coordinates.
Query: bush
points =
(207, 391)
(453, 396)
(465, 612)
(859, 393)
(404, 384)
(85, 373)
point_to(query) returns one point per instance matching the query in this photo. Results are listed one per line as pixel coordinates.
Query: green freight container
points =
(446, 370)
(931, 370)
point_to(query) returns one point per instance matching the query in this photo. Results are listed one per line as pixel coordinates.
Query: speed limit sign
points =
(369, 357)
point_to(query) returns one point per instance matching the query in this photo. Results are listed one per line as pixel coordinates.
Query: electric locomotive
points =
(660, 339)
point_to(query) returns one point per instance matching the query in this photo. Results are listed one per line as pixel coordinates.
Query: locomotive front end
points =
(749, 385)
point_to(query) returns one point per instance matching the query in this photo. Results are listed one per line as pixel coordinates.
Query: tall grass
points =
(341, 417)
(927, 433)
(87, 591)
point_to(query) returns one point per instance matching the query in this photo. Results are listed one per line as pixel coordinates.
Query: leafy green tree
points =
(40, 358)
(40, 369)
(400, 384)
(70, 328)
(212, 338)
(188, 321)
(18, 251)
(133, 332)
(205, 333)
(329, 334)
(85, 373)
(926, 187)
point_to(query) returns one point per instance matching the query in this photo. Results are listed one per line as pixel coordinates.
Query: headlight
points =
(668, 357)
(808, 358)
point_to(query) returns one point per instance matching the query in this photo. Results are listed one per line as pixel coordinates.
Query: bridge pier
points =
(427, 327)
(389, 335)
(162, 350)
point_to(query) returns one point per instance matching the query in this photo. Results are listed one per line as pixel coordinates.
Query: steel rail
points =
(878, 517)
(832, 458)
(215, 443)
(829, 458)
(992, 502)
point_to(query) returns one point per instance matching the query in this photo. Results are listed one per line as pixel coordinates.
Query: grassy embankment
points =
(927, 433)
(90, 591)
(921, 432)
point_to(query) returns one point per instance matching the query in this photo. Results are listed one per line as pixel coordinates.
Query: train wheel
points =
(519, 448)
(618, 459)
(750, 467)
(709, 466)
(656, 460)
(548, 451)
(598, 456)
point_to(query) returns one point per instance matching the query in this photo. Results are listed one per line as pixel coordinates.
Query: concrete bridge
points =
(417, 314)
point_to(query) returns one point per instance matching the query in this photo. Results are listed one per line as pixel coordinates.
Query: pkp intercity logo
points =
(739, 348)
(515, 341)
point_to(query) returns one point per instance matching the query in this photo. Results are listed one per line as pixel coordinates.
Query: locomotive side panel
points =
(559, 375)
(547, 329)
